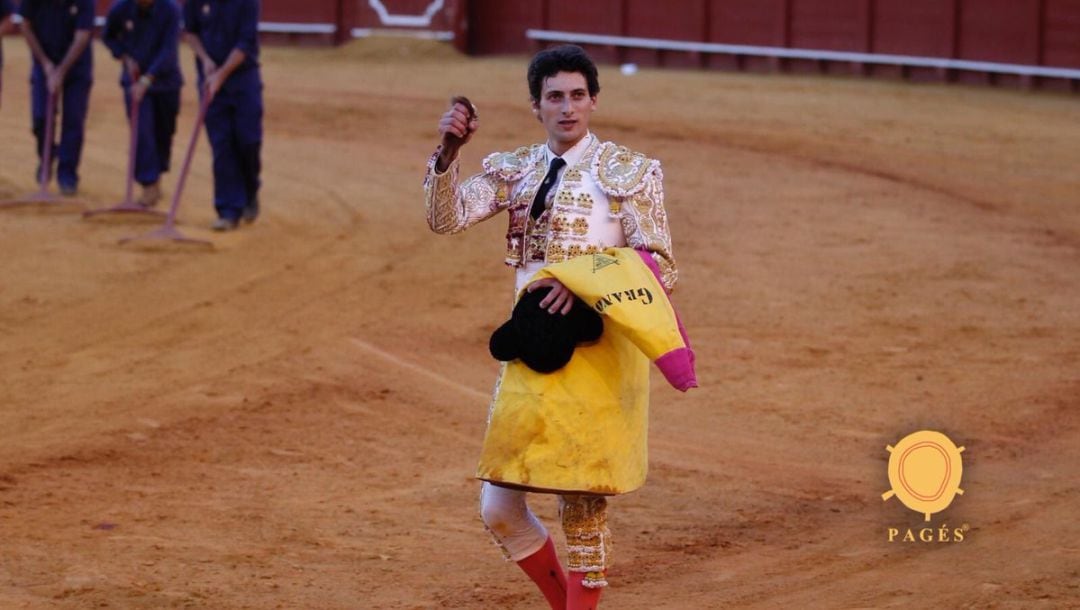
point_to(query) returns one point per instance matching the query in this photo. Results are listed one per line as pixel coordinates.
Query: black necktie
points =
(539, 203)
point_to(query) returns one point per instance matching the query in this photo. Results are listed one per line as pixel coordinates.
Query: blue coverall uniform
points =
(234, 117)
(54, 23)
(150, 36)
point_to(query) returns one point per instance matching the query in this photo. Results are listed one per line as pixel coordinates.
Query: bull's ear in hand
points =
(464, 101)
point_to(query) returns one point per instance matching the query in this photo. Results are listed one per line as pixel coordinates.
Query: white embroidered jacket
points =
(611, 196)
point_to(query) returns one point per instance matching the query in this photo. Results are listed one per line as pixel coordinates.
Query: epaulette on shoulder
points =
(509, 166)
(621, 172)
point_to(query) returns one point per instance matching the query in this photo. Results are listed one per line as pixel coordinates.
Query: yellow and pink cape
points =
(584, 428)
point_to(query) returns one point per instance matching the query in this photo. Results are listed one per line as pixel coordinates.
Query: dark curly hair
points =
(563, 58)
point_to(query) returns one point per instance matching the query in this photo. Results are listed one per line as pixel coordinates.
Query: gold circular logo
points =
(924, 471)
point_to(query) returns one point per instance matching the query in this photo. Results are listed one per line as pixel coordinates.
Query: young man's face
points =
(564, 109)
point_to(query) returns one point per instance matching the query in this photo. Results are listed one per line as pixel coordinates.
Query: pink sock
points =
(580, 597)
(544, 569)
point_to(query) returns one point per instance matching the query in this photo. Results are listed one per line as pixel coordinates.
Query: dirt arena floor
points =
(291, 419)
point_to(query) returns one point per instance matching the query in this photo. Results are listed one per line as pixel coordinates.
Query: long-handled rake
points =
(42, 196)
(128, 205)
(168, 231)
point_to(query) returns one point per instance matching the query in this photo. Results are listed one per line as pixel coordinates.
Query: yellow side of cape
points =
(584, 428)
(581, 429)
(617, 284)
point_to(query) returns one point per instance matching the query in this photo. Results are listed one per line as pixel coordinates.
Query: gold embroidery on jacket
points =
(508, 166)
(621, 171)
(556, 252)
(580, 226)
(632, 183)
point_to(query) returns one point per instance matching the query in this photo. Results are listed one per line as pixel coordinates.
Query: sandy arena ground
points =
(291, 419)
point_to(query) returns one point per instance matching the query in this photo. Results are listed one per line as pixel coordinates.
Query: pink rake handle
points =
(128, 205)
(168, 230)
(47, 144)
(133, 147)
(42, 194)
(182, 178)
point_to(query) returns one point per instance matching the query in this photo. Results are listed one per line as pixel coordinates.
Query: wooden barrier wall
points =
(1026, 32)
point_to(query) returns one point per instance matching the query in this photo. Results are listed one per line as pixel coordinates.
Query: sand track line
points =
(739, 142)
(419, 369)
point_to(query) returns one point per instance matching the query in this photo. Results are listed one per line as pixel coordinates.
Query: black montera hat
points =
(544, 341)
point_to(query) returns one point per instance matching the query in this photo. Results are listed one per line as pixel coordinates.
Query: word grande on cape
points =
(641, 295)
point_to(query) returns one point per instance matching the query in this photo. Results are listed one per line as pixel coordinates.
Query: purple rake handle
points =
(46, 156)
(133, 147)
(42, 195)
(170, 220)
(128, 205)
(168, 231)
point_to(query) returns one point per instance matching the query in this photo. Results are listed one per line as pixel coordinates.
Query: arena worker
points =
(58, 33)
(145, 36)
(224, 36)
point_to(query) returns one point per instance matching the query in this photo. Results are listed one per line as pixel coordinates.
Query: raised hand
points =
(456, 127)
